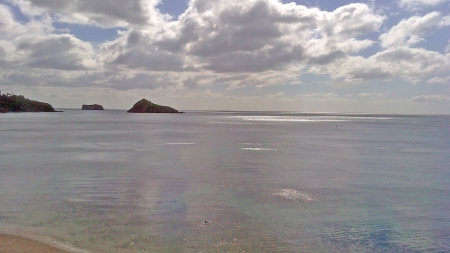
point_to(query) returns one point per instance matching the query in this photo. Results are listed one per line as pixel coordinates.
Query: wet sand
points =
(18, 244)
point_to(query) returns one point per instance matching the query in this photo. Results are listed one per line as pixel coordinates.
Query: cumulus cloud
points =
(8, 26)
(409, 32)
(60, 52)
(233, 44)
(431, 98)
(414, 5)
(411, 64)
(320, 95)
(107, 13)
(247, 36)
(439, 80)
(367, 95)
(33, 45)
(134, 50)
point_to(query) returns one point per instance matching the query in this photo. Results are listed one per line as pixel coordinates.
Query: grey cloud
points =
(414, 5)
(397, 55)
(275, 58)
(136, 50)
(51, 78)
(243, 37)
(54, 4)
(233, 29)
(201, 5)
(104, 12)
(411, 64)
(149, 59)
(326, 58)
(418, 62)
(374, 73)
(259, 11)
(240, 40)
(114, 80)
(431, 98)
(142, 81)
(133, 38)
(62, 52)
(188, 32)
(238, 36)
(192, 82)
(130, 11)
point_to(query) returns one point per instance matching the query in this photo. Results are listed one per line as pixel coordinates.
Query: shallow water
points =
(108, 181)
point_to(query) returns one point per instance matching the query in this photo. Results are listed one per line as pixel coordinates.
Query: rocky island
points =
(92, 107)
(18, 103)
(145, 106)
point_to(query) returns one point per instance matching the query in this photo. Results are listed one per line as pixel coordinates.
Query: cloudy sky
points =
(372, 56)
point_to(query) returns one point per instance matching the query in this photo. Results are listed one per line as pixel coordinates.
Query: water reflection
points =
(260, 183)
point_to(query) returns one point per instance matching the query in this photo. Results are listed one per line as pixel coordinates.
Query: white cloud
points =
(411, 64)
(414, 5)
(367, 95)
(8, 26)
(408, 32)
(320, 95)
(439, 80)
(280, 94)
(59, 52)
(256, 36)
(240, 43)
(431, 98)
(31, 46)
(231, 44)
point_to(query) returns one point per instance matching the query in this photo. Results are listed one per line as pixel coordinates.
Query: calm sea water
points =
(108, 181)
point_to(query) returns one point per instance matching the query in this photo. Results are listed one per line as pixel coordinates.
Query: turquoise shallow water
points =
(108, 181)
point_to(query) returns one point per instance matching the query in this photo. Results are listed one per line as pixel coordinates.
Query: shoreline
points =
(18, 243)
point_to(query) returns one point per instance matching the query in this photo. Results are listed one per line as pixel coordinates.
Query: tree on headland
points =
(18, 103)
(145, 106)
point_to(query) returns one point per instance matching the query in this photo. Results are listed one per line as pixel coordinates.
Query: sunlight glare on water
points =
(228, 181)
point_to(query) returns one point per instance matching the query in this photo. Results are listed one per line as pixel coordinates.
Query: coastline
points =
(18, 243)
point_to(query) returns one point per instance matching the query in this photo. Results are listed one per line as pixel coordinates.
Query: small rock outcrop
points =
(18, 103)
(92, 107)
(145, 106)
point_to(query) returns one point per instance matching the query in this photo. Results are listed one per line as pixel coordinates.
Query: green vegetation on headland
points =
(18, 103)
(145, 106)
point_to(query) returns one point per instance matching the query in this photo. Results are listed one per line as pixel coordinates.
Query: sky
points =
(371, 56)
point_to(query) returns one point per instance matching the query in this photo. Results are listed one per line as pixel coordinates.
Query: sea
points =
(219, 181)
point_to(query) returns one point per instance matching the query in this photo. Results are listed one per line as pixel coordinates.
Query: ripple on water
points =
(293, 194)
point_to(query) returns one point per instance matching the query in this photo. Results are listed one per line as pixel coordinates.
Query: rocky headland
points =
(18, 103)
(92, 107)
(145, 106)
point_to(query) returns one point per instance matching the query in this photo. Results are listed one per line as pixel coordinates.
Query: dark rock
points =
(18, 103)
(92, 107)
(145, 106)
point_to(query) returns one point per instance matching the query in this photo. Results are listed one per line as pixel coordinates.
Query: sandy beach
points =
(18, 244)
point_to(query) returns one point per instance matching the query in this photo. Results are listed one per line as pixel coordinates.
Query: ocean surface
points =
(109, 181)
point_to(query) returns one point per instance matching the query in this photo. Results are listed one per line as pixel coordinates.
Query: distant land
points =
(145, 106)
(92, 107)
(18, 103)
